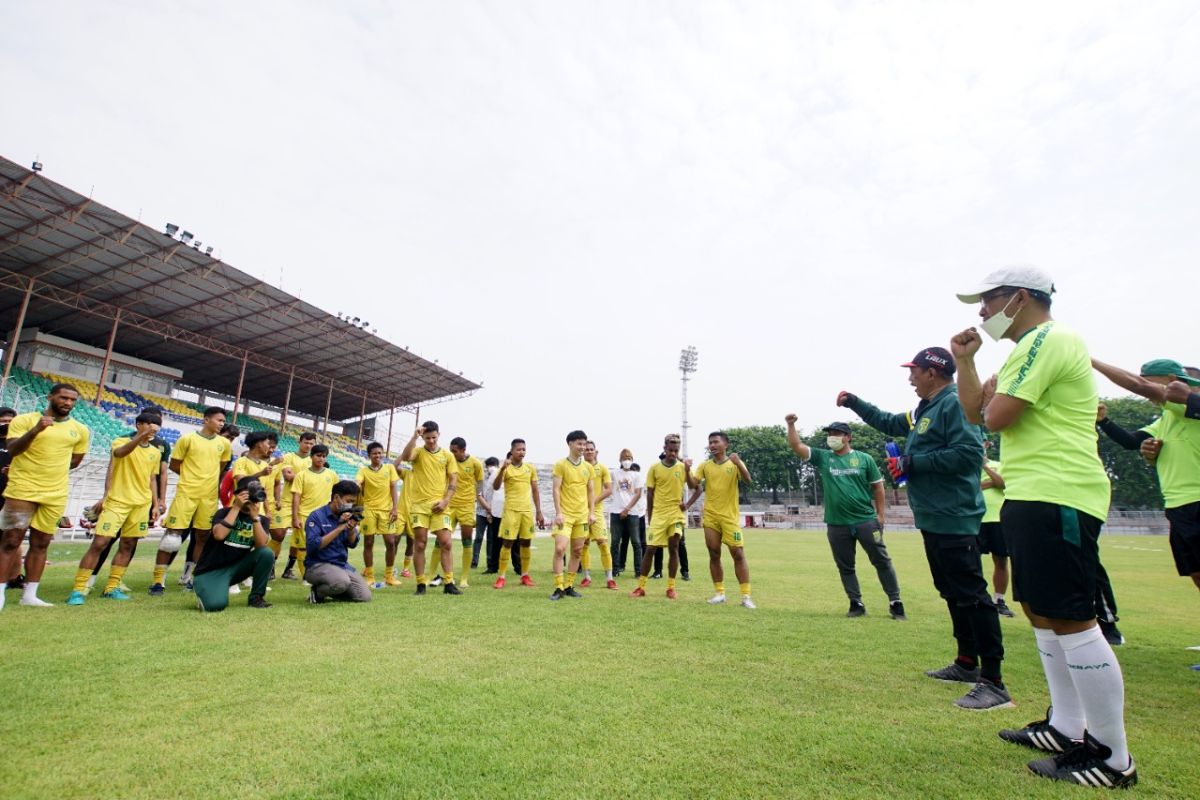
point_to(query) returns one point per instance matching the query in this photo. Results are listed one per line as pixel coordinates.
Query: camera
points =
(356, 513)
(256, 492)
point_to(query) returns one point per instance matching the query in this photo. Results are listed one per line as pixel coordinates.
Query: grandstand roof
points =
(184, 309)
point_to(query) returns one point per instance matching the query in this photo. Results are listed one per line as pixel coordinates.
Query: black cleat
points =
(686, 576)
(157, 590)
(258, 601)
(570, 592)
(857, 609)
(954, 673)
(1039, 735)
(420, 589)
(288, 575)
(557, 594)
(1085, 764)
(656, 576)
(1112, 634)
(450, 588)
(1002, 608)
(896, 610)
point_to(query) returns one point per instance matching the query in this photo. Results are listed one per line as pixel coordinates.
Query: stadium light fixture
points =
(36, 166)
(197, 244)
(208, 250)
(688, 360)
(185, 237)
(172, 229)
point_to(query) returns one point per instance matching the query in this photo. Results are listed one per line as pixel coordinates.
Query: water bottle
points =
(893, 451)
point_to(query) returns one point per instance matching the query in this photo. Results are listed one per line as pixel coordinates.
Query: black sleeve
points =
(1193, 407)
(1130, 440)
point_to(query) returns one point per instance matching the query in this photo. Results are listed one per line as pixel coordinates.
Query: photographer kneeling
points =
(330, 532)
(236, 550)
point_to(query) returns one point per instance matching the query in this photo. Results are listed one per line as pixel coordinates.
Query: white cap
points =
(1018, 276)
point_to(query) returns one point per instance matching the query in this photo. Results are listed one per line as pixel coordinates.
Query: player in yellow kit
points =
(404, 520)
(199, 459)
(718, 481)
(665, 512)
(434, 480)
(311, 489)
(130, 496)
(602, 488)
(379, 493)
(574, 501)
(44, 446)
(284, 479)
(522, 505)
(466, 494)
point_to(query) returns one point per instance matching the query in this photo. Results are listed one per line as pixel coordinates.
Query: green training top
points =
(847, 482)
(992, 498)
(1178, 462)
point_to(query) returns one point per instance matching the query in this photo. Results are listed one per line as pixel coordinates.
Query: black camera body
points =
(356, 513)
(256, 491)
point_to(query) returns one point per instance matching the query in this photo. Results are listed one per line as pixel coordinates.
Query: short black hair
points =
(154, 409)
(212, 410)
(491, 461)
(319, 450)
(229, 428)
(458, 441)
(245, 481)
(344, 488)
(254, 437)
(635, 467)
(307, 435)
(575, 436)
(429, 427)
(722, 435)
(373, 446)
(145, 418)
(58, 387)
(5, 411)
(515, 442)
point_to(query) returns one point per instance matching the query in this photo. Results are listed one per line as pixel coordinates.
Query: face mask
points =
(626, 464)
(4, 432)
(998, 324)
(835, 442)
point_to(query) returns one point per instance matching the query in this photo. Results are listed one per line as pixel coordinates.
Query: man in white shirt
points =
(627, 510)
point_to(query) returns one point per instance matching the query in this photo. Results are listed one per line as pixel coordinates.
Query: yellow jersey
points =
(668, 484)
(246, 466)
(40, 473)
(518, 487)
(200, 460)
(431, 474)
(720, 489)
(376, 487)
(297, 464)
(601, 477)
(405, 474)
(470, 473)
(573, 491)
(131, 475)
(315, 489)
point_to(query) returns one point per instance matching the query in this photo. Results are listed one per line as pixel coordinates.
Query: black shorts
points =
(1185, 537)
(991, 539)
(1054, 554)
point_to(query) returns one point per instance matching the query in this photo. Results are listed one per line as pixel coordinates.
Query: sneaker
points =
(685, 575)
(407, 573)
(76, 599)
(527, 581)
(1039, 735)
(717, 599)
(1112, 634)
(612, 584)
(183, 579)
(896, 610)
(747, 602)
(258, 601)
(450, 588)
(1085, 764)
(437, 581)
(420, 589)
(656, 576)
(377, 585)
(1002, 608)
(985, 696)
(570, 592)
(671, 595)
(474, 565)
(124, 588)
(115, 594)
(557, 594)
(586, 582)
(499, 584)
(235, 589)
(954, 673)
(35, 602)
(857, 609)
(288, 575)
(313, 599)
(157, 590)
(187, 587)
(16, 583)
(638, 592)
(391, 580)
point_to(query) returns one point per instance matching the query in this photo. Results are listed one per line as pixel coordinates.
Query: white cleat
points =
(36, 602)
(747, 602)
(235, 589)
(716, 599)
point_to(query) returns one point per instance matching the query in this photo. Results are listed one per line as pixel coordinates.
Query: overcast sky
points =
(556, 197)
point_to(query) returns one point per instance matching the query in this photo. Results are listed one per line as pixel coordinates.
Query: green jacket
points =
(947, 457)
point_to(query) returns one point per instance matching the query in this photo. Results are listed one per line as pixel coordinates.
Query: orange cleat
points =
(638, 592)
(406, 573)
(527, 581)
(586, 582)
(611, 584)
(671, 594)
(499, 584)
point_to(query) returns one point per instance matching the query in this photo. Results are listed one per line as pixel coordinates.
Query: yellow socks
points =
(570, 579)
(160, 573)
(448, 577)
(369, 574)
(300, 556)
(466, 560)
(719, 586)
(421, 581)
(115, 574)
(407, 563)
(605, 556)
(274, 545)
(585, 560)
(670, 583)
(81, 579)
(558, 582)
(505, 558)
(745, 589)
(525, 555)
(642, 581)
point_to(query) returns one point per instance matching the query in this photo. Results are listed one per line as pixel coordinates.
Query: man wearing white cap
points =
(1043, 403)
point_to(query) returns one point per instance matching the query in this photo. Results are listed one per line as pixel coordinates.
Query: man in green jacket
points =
(943, 455)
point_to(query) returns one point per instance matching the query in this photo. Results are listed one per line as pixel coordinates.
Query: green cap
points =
(1169, 368)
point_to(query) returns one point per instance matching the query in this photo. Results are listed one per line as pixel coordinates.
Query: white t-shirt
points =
(625, 483)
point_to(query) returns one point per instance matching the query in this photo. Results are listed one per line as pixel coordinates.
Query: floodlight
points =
(208, 250)
(172, 229)
(37, 166)
(185, 237)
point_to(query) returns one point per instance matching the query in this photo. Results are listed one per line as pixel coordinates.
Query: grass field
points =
(507, 694)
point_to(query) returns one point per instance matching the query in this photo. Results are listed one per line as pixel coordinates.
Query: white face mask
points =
(998, 324)
(835, 442)
(626, 464)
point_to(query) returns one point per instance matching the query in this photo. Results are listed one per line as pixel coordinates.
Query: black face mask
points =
(4, 429)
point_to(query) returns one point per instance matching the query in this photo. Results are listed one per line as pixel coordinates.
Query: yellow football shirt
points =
(40, 473)
(431, 474)
(377, 487)
(668, 484)
(601, 477)
(572, 493)
(297, 464)
(720, 489)
(470, 473)
(518, 487)
(132, 474)
(200, 460)
(314, 488)
(247, 466)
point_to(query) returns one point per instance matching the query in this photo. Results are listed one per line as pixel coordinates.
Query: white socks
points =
(30, 598)
(1100, 688)
(91, 581)
(1066, 713)
(608, 575)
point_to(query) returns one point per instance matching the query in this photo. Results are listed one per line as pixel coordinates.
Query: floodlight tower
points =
(687, 365)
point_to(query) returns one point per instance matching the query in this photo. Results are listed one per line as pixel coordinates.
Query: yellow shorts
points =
(575, 527)
(280, 521)
(377, 522)
(123, 519)
(516, 525)
(191, 512)
(462, 517)
(298, 540)
(421, 516)
(730, 530)
(44, 519)
(598, 531)
(662, 528)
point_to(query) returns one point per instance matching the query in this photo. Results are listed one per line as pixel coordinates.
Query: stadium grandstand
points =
(136, 316)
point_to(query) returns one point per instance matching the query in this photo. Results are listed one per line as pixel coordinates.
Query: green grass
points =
(506, 694)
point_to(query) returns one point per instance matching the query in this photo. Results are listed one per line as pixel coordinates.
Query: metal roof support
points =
(387, 452)
(112, 338)
(287, 401)
(325, 423)
(362, 418)
(237, 400)
(16, 337)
